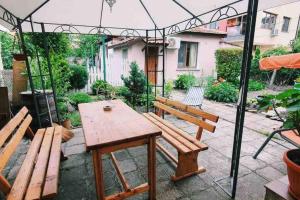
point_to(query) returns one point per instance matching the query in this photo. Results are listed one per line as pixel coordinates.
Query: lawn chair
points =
(289, 135)
(194, 97)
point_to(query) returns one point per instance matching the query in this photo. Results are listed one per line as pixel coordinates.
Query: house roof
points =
(206, 31)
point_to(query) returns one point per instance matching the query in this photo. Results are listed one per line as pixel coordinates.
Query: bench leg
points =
(187, 166)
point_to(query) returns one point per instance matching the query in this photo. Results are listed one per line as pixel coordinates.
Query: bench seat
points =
(39, 173)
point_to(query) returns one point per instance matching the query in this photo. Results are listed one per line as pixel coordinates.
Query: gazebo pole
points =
(103, 56)
(245, 74)
(147, 70)
(241, 105)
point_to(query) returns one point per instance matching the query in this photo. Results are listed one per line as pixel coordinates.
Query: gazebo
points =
(138, 18)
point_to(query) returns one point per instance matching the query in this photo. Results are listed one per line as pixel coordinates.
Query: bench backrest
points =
(188, 113)
(10, 137)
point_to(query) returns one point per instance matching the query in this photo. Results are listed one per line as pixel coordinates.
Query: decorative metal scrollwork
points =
(193, 23)
(66, 29)
(100, 31)
(130, 33)
(224, 12)
(173, 29)
(9, 18)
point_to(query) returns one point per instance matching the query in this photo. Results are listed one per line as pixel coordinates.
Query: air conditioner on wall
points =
(274, 32)
(173, 42)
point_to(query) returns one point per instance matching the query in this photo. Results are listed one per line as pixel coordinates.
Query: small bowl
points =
(107, 108)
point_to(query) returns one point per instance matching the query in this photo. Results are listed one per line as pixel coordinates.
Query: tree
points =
(6, 49)
(136, 84)
(79, 77)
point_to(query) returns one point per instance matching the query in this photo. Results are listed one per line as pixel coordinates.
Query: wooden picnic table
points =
(120, 128)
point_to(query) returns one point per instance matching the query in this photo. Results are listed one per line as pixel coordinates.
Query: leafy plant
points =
(169, 88)
(289, 99)
(136, 84)
(103, 88)
(228, 63)
(79, 77)
(256, 85)
(75, 119)
(185, 81)
(221, 92)
(6, 49)
(79, 97)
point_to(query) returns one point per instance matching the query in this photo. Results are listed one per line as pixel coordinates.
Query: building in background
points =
(276, 26)
(188, 52)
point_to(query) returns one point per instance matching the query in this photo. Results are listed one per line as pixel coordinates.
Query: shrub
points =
(256, 85)
(221, 92)
(296, 45)
(75, 119)
(103, 88)
(228, 63)
(136, 85)
(185, 81)
(62, 110)
(79, 77)
(169, 88)
(79, 97)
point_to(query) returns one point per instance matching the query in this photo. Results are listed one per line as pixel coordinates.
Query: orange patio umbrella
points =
(291, 61)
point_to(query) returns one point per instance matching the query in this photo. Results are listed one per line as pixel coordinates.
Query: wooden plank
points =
(186, 117)
(51, 182)
(22, 180)
(181, 132)
(34, 190)
(166, 152)
(152, 167)
(119, 172)
(126, 145)
(187, 108)
(7, 130)
(120, 125)
(5, 186)
(139, 189)
(10, 148)
(173, 134)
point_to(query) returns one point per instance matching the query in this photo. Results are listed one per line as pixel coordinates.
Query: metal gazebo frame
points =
(216, 14)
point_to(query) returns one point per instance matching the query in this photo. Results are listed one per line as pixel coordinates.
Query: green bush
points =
(185, 81)
(75, 119)
(256, 85)
(228, 63)
(169, 88)
(79, 97)
(103, 88)
(136, 85)
(296, 45)
(79, 77)
(221, 92)
(62, 110)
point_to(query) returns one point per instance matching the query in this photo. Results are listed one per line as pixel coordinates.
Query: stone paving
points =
(77, 178)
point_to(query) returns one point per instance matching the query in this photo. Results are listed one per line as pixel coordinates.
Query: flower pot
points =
(292, 160)
(66, 123)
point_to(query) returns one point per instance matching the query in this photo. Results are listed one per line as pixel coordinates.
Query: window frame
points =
(184, 66)
(288, 25)
(268, 15)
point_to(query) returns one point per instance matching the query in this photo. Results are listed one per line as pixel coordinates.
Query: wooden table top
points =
(121, 124)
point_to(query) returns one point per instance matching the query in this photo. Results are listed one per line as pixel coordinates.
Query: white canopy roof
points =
(127, 17)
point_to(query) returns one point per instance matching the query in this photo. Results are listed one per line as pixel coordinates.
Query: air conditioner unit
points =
(174, 42)
(274, 32)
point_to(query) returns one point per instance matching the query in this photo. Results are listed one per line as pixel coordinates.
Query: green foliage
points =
(221, 92)
(275, 52)
(62, 110)
(136, 84)
(296, 45)
(101, 87)
(256, 85)
(79, 77)
(79, 97)
(228, 63)
(75, 119)
(6, 49)
(289, 99)
(185, 81)
(88, 46)
(169, 88)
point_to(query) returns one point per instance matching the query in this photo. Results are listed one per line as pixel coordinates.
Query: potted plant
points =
(63, 112)
(289, 99)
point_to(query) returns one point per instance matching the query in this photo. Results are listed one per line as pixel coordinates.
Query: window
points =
(213, 25)
(285, 25)
(268, 21)
(187, 55)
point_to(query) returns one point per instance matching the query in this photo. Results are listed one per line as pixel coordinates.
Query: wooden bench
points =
(38, 175)
(187, 146)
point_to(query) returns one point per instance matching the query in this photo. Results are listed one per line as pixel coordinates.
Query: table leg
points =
(97, 161)
(152, 168)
